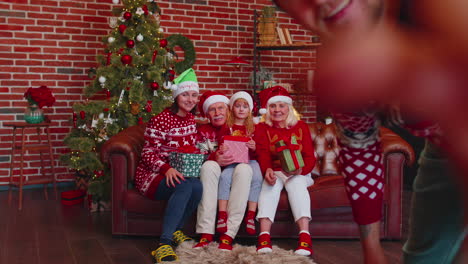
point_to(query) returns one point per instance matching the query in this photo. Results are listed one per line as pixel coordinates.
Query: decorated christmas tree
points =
(130, 85)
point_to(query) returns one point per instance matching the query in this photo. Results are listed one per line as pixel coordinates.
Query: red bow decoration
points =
(291, 147)
(188, 149)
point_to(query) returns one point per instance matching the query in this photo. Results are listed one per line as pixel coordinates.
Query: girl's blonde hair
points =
(248, 122)
(291, 120)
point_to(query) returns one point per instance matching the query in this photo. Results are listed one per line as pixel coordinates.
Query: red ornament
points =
(106, 109)
(130, 43)
(127, 15)
(108, 94)
(163, 43)
(128, 88)
(149, 106)
(126, 59)
(82, 114)
(122, 28)
(171, 75)
(140, 121)
(154, 86)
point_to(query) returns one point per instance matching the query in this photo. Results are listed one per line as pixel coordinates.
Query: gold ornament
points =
(135, 108)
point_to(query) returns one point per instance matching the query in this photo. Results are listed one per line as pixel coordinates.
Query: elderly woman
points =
(156, 179)
(281, 123)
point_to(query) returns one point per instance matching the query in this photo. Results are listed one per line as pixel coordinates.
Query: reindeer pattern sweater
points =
(164, 133)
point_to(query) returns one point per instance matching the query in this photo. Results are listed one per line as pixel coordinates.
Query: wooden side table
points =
(21, 148)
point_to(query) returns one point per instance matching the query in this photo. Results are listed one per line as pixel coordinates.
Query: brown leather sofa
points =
(133, 214)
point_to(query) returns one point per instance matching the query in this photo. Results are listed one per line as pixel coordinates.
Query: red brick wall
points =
(54, 43)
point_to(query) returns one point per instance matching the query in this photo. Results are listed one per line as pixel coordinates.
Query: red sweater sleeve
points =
(308, 153)
(262, 147)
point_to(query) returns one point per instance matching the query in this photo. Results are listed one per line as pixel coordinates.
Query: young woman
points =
(240, 123)
(155, 178)
(281, 123)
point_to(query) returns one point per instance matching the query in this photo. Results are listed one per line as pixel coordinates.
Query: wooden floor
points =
(46, 232)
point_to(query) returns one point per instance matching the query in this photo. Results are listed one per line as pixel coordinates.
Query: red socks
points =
(250, 223)
(221, 225)
(264, 243)
(304, 247)
(225, 242)
(205, 240)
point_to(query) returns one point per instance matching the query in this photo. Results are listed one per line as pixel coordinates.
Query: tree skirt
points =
(239, 255)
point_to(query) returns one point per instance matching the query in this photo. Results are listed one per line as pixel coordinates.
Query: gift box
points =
(72, 197)
(289, 154)
(187, 160)
(237, 148)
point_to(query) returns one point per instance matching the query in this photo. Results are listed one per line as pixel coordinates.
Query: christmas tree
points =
(133, 83)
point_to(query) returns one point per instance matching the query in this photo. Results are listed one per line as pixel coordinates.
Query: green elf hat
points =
(187, 81)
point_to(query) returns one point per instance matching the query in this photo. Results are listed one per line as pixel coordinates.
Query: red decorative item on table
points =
(237, 148)
(41, 96)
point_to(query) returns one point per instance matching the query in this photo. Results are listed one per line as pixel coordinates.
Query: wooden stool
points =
(30, 146)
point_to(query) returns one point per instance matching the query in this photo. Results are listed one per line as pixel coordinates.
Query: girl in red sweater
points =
(281, 123)
(240, 123)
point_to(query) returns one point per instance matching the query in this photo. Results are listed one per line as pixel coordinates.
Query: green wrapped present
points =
(289, 154)
(188, 164)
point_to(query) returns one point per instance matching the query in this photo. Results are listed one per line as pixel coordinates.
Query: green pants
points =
(436, 216)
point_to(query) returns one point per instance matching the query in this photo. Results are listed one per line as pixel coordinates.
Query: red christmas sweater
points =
(266, 137)
(214, 135)
(164, 133)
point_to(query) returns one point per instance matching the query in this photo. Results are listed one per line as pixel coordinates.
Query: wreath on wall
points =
(187, 46)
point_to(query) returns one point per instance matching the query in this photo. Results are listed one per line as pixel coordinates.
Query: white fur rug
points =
(239, 255)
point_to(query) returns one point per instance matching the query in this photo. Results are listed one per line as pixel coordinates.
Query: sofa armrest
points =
(129, 143)
(392, 143)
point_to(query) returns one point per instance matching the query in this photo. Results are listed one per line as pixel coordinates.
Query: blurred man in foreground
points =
(417, 62)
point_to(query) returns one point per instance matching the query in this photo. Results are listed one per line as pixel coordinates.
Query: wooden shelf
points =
(296, 46)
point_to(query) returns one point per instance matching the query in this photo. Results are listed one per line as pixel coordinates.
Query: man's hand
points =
(270, 176)
(222, 157)
(173, 176)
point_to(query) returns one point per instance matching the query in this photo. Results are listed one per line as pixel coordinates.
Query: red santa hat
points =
(273, 95)
(208, 98)
(241, 95)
